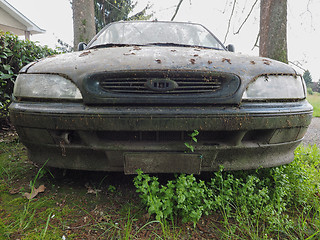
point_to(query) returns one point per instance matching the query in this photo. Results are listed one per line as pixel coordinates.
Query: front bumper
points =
(118, 138)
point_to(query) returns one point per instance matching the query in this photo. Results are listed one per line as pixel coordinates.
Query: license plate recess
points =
(155, 162)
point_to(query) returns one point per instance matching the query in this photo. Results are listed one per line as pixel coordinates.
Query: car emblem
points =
(161, 85)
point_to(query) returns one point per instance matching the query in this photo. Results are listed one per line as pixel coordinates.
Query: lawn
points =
(275, 203)
(314, 99)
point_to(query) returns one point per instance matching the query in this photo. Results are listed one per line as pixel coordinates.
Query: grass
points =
(275, 203)
(314, 100)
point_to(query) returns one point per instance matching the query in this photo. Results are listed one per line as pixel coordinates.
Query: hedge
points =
(14, 54)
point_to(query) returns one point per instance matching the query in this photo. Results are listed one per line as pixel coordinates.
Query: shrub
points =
(14, 54)
(309, 90)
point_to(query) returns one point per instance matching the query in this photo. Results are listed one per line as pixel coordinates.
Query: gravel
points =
(313, 134)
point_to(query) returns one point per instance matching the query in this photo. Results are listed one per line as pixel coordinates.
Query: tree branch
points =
(229, 22)
(177, 9)
(310, 13)
(257, 40)
(298, 64)
(237, 32)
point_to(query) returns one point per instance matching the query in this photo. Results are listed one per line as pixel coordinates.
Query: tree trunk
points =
(273, 30)
(83, 21)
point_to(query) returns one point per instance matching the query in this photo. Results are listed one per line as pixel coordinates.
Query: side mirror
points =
(230, 48)
(82, 46)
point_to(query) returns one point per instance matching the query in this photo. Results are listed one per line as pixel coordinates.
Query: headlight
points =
(45, 86)
(275, 87)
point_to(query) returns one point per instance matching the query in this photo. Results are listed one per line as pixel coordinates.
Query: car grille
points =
(184, 85)
(160, 87)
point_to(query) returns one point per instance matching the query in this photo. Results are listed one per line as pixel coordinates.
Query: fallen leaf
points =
(91, 190)
(266, 61)
(14, 191)
(35, 192)
(226, 60)
(84, 54)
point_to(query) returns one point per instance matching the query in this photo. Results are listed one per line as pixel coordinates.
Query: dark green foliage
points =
(14, 54)
(307, 78)
(116, 10)
(265, 197)
(185, 196)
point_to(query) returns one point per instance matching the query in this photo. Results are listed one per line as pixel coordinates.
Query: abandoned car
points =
(161, 97)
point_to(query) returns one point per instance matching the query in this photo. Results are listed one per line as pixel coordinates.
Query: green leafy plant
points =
(112, 188)
(185, 197)
(253, 203)
(193, 136)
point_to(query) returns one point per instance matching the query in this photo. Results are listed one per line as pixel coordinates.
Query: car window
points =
(144, 33)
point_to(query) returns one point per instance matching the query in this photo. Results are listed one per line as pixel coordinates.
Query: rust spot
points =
(130, 53)
(193, 61)
(196, 55)
(158, 60)
(84, 54)
(62, 147)
(253, 62)
(266, 61)
(209, 62)
(173, 50)
(226, 60)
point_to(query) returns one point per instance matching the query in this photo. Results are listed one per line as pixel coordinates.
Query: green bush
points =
(309, 90)
(14, 54)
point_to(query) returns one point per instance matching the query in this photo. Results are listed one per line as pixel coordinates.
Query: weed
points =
(184, 196)
(193, 136)
(252, 204)
(111, 188)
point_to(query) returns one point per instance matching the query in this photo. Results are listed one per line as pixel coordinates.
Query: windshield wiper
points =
(113, 45)
(181, 45)
(107, 45)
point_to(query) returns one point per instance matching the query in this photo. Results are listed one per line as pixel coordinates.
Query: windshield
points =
(147, 33)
